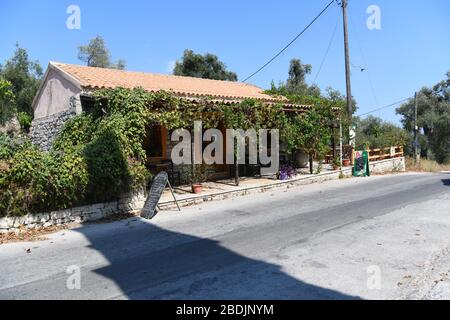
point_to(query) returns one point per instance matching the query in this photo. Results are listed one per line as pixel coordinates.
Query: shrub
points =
(32, 181)
(10, 144)
(76, 132)
(95, 158)
(108, 167)
(24, 121)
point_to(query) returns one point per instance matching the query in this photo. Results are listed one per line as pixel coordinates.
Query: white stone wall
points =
(127, 203)
(388, 165)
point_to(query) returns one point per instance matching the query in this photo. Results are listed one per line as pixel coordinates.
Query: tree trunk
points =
(311, 164)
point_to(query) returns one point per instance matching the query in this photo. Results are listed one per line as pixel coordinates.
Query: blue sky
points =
(411, 50)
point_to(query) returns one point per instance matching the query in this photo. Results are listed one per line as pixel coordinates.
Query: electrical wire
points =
(327, 51)
(290, 43)
(365, 68)
(384, 107)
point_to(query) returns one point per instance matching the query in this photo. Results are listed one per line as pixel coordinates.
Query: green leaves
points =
(206, 66)
(31, 181)
(310, 131)
(373, 132)
(433, 119)
(7, 101)
(96, 54)
(99, 155)
(24, 121)
(24, 76)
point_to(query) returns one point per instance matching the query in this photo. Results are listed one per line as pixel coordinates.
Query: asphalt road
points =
(311, 242)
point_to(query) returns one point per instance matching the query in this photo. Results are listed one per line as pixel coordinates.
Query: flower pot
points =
(197, 188)
(346, 162)
(301, 159)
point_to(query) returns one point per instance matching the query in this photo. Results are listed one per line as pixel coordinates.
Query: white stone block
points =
(95, 216)
(5, 222)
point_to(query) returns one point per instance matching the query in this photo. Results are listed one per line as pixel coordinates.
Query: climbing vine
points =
(99, 154)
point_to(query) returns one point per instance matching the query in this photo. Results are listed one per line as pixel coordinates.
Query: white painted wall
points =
(55, 95)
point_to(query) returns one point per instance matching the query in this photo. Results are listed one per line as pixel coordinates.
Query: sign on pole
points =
(361, 167)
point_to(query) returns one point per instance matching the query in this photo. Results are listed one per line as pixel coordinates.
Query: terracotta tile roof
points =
(94, 78)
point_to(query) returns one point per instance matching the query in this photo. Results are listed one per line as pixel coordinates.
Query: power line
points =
(291, 42)
(327, 50)
(366, 68)
(384, 107)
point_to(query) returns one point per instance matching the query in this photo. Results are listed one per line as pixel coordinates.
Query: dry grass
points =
(425, 165)
(38, 234)
(35, 234)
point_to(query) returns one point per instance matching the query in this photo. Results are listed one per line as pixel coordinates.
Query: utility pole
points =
(347, 78)
(347, 60)
(415, 129)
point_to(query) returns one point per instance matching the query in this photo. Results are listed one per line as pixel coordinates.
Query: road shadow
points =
(149, 262)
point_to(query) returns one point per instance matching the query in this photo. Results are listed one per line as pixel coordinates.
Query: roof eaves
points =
(68, 76)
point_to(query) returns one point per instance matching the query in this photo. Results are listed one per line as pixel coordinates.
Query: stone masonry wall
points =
(44, 130)
(388, 165)
(129, 202)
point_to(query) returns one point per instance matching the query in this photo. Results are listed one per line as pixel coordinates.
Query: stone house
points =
(67, 88)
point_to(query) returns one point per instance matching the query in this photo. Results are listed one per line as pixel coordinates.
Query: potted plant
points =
(346, 162)
(301, 159)
(336, 164)
(197, 175)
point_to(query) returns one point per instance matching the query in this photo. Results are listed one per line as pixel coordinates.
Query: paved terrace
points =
(225, 188)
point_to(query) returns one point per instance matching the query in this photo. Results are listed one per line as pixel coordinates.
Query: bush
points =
(10, 144)
(95, 158)
(373, 132)
(24, 121)
(32, 181)
(109, 168)
(76, 132)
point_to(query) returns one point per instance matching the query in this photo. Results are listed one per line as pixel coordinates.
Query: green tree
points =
(433, 120)
(7, 101)
(25, 77)
(96, 54)
(206, 66)
(120, 64)
(373, 132)
(296, 84)
(310, 131)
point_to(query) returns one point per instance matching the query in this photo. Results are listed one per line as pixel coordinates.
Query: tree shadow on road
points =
(149, 262)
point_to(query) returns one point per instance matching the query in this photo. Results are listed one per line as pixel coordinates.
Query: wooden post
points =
(347, 70)
(173, 195)
(347, 61)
